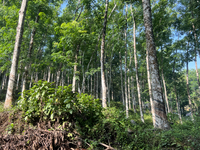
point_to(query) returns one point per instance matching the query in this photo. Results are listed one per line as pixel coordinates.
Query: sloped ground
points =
(18, 135)
(4, 121)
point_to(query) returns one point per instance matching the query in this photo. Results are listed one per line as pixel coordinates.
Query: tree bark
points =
(149, 82)
(30, 84)
(125, 76)
(13, 72)
(103, 84)
(188, 89)
(110, 79)
(3, 85)
(159, 114)
(18, 77)
(136, 68)
(163, 79)
(121, 75)
(133, 95)
(49, 74)
(75, 69)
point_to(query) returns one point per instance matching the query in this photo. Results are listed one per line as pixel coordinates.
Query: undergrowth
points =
(95, 125)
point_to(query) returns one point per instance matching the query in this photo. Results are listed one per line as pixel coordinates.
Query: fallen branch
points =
(107, 146)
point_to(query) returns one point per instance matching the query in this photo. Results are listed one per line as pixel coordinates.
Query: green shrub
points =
(43, 102)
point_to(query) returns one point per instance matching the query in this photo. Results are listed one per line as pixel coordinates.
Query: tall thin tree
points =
(159, 114)
(136, 67)
(16, 52)
(103, 81)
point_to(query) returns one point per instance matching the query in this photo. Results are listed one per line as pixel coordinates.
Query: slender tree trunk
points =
(133, 95)
(108, 90)
(4, 81)
(49, 75)
(125, 76)
(121, 74)
(75, 69)
(11, 83)
(91, 84)
(110, 80)
(136, 68)
(58, 77)
(129, 81)
(97, 86)
(166, 98)
(159, 114)
(129, 93)
(103, 84)
(149, 82)
(36, 76)
(31, 81)
(188, 89)
(63, 77)
(163, 79)
(52, 77)
(88, 84)
(18, 77)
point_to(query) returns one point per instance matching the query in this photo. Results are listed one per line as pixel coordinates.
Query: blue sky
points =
(192, 64)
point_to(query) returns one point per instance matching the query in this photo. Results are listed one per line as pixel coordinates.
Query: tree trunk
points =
(129, 93)
(110, 79)
(103, 84)
(159, 114)
(133, 95)
(31, 81)
(49, 75)
(18, 77)
(121, 74)
(4, 81)
(52, 77)
(149, 82)
(125, 76)
(36, 76)
(91, 87)
(97, 86)
(13, 71)
(63, 77)
(75, 69)
(163, 79)
(58, 78)
(188, 89)
(136, 68)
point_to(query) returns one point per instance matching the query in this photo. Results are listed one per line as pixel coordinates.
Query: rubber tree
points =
(103, 81)
(18, 40)
(158, 109)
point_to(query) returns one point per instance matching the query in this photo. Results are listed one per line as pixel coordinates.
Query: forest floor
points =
(16, 134)
(43, 135)
(111, 131)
